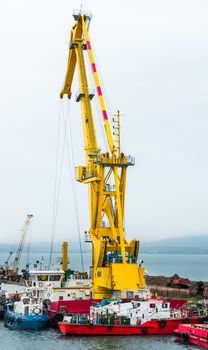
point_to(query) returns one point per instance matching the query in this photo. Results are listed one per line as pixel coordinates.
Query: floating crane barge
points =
(114, 257)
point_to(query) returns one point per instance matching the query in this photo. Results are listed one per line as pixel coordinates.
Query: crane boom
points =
(15, 265)
(114, 258)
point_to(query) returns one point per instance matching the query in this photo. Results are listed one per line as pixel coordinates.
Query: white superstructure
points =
(50, 284)
(137, 311)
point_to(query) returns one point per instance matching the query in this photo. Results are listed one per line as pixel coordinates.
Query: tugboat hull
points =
(193, 334)
(33, 322)
(83, 307)
(152, 327)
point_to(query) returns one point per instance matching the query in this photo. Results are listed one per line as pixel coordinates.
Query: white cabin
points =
(46, 278)
(138, 311)
(28, 306)
(50, 284)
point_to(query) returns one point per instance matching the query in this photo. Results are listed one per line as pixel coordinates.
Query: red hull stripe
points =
(88, 45)
(149, 327)
(105, 116)
(94, 68)
(99, 91)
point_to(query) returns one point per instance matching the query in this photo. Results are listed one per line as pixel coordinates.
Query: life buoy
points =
(183, 313)
(36, 311)
(46, 303)
(162, 323)
(144, 330)
(164, 305)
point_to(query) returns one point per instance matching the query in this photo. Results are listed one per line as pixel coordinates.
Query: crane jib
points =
(99, 90)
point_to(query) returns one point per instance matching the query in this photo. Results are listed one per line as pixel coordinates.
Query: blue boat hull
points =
(33, 322)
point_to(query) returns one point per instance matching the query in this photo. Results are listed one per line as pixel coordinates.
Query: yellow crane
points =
(114, 258)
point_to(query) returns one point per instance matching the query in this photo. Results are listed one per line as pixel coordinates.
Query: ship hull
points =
(24, 322)
(153, 327)
(58, 308)
(193, 334)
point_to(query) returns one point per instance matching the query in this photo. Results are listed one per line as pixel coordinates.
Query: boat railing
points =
(98, 319)
(175, 313)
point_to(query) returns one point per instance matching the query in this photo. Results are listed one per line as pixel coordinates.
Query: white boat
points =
(49, 284)
(27, 313)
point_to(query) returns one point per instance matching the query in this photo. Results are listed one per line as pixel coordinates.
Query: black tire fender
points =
(162, 323)
(46, 303)
(185, 337)
(186, 320)
(144, 330)
(59, 317)
(18, 320)
(6, 321)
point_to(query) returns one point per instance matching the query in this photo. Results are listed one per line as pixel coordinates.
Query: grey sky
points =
(153, 57)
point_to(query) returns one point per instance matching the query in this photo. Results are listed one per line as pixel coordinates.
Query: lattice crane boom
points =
(15, 265)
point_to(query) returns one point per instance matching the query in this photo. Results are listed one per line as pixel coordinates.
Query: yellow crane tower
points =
(65, 256)
(114, 257)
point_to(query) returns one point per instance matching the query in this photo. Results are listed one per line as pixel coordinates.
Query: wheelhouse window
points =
(55, 278)
(42, 278)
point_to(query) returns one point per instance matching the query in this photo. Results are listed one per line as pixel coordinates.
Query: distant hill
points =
(43, 247)
(185, 244)
(177, 245)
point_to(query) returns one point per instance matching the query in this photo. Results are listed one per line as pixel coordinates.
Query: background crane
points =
(12, 269)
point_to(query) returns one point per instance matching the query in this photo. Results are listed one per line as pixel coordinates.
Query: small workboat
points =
(25, 314)
(127, 318)
(193, 334)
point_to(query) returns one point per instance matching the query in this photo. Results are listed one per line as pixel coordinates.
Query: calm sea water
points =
(192, 266)
(53, 340)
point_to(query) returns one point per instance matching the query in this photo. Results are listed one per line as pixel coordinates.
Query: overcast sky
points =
(153, 56)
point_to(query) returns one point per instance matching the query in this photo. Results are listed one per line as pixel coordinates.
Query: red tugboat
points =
(127, 318)
(57, 309)
(193, 334)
